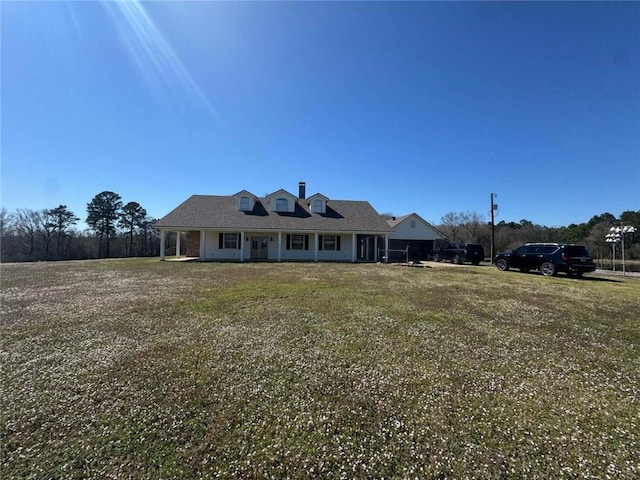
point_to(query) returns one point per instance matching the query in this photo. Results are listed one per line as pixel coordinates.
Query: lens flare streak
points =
(152, 54)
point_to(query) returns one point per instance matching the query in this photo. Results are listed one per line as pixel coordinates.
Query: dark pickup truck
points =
(460, 253)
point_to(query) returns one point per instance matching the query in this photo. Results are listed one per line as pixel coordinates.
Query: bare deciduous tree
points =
(471, 223)
(27, 226)
(450, 225)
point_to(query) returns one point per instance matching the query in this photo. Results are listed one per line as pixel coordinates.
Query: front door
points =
(259, 248)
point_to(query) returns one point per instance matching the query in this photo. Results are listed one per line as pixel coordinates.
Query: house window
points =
(413, 224)
(317, 205)
(231, 240)
(245, 203)
(328, 242)
(282, 205)
(297, 242)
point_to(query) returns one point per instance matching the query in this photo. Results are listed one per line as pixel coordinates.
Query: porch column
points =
(386, 246)
(203, 244)
(375, 247)
(315, 247)
(354, 247)
(279, 246)
(162, 235)
(242, 246)
(177, 244)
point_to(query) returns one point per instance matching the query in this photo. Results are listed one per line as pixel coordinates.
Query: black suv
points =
(548, 258)
(460, 253)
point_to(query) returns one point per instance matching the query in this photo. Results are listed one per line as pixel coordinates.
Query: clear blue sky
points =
(414, 106)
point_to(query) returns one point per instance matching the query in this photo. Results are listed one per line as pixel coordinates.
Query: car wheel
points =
(502, 265)
(436, 258)
(456, 259)
(548, 269)
(578, 274)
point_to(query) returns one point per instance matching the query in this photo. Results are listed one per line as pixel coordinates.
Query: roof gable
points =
(317, 195)
(419, 229)
(280, 193)
(245, 193)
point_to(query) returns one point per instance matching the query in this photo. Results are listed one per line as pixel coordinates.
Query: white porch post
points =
(315, 247)
(203, 244)
(279, 246)
(354, 247)
(177, 244)
(162, 235)
(386, 246)
(375, 246)
(242, 246)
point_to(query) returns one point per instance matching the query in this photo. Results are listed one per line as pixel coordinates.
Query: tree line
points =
(115, 229)
(472, 227)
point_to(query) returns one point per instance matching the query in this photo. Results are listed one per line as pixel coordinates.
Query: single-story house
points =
(277, 227)
(414, 232)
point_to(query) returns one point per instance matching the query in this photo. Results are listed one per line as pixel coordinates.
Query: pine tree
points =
(102, 213)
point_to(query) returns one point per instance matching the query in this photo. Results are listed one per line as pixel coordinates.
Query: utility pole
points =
(494, 207)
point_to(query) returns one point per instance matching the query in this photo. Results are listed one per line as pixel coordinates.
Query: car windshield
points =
(576, 251)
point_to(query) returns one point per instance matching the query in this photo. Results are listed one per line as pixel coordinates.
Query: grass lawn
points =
(148, 369)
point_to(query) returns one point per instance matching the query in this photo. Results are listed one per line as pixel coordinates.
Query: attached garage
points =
(414, 232)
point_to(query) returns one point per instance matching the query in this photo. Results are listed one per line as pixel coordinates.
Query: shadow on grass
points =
(568, 277)
(597, 279)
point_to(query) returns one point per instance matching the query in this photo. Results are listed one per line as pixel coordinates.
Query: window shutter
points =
(306, 242)
(320, 242)
(220, 240)
(238, 246)
(288, 242)
(338, 242)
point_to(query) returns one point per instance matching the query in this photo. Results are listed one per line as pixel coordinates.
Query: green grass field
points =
(147, 369)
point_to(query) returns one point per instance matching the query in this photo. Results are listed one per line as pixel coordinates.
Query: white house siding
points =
(420, 232)
(306, 255)
(342, 255)
(213, 252)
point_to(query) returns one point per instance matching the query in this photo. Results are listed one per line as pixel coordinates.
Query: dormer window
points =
(317, 203)
(245, 201)
(282, 205)
(281, 201)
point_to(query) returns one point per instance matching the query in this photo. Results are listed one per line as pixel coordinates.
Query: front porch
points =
(216, 245)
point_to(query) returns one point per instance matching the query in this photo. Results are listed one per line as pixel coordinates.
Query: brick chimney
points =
(302, 190)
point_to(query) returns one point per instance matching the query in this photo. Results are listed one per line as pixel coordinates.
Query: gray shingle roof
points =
(393, 222)
(221, 212)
